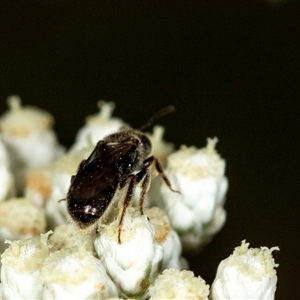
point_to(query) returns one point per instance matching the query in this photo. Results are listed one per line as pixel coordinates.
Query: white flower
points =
(197, 212)
(70, 236)
(167, 238)
(133, 264)
(38, 184)
(175, 284)
(29, 138)
(97, 127)
(22, 121)
(20, 219)
(20, 271)
(4, 156)
(7, 187)
(160, 148)
(246, 274)
(64, 168)
(74, 273)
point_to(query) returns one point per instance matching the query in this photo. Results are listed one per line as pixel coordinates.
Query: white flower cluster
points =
(26, 132)
(149, 263)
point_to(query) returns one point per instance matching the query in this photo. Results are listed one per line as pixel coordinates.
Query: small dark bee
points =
(119, 160)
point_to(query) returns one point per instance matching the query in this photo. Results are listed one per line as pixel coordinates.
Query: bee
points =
(120, 159)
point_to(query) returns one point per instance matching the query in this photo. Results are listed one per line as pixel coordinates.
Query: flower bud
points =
(64, 168)
(167, 238)
(21, 264)
(20, 219)
(75, 273)
(175, 284)
(133, 264)
(197, 212)
(7, 187)
(70, 236)
(38, 184)
(28, 135)
(97, 127)
(160, 148)
(249, 273)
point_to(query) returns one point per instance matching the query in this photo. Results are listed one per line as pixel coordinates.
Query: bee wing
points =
(100, 171)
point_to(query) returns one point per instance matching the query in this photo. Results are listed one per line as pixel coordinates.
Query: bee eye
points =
(146, 143)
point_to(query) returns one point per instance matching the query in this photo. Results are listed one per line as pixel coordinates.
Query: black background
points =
(230, 67)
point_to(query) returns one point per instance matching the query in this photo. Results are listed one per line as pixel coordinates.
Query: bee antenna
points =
(161, 113)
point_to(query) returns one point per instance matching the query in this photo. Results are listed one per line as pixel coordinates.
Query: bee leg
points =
(144, 178)
(159, 169)
(128, 198)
